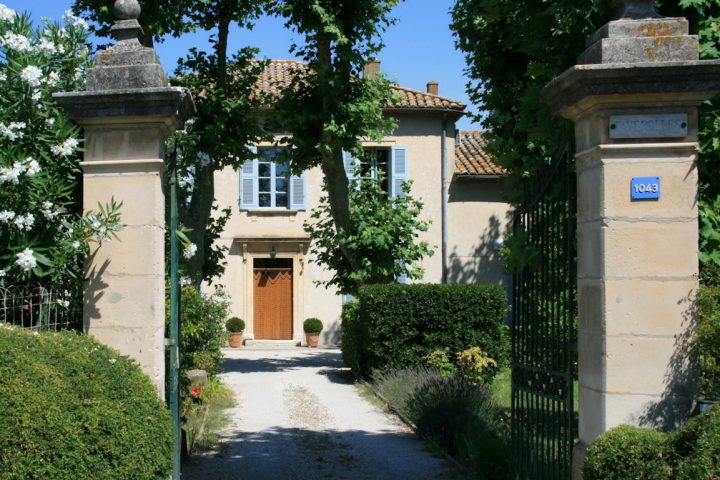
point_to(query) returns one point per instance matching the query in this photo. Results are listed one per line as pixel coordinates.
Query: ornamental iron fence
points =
(36, 307)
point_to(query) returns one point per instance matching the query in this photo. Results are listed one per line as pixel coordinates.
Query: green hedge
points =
(628, 453)
(696, 447)
(396, 326)
(73, 409)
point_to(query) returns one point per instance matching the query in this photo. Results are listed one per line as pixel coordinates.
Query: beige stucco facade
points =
(476, 216)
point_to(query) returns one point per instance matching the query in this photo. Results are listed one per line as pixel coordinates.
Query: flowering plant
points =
(44, 234)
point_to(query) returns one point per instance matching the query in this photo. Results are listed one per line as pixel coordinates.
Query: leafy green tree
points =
(513, 49)
(222, 83)
(383, 237)
(329, 107)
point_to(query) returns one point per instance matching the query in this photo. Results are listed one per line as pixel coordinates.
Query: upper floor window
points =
(266, 183)
(392, 162)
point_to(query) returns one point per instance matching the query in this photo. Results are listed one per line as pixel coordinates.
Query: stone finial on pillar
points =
(127, 111)
(636, 9)
(126, 29)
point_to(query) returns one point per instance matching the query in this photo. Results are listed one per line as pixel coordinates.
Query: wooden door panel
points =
(273, 304)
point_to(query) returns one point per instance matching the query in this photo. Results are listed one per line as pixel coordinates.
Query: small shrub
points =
(440, 361)
(707, 341)
(628, 453)
(235, 325)
(398, 386)
(696, 447)
(399, 325)
(312, 325)
(462, 417)
(72, 408)
(476, 365)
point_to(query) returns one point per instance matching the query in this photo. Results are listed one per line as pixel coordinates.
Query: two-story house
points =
(271, 277)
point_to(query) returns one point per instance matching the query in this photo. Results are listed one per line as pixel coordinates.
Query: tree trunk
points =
(332, 162)
(196, 216)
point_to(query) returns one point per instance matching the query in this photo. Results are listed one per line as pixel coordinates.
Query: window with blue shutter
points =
(298, 191)
(399, 170)
(267, 185)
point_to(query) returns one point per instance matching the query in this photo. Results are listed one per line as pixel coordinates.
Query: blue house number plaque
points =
(645, 188)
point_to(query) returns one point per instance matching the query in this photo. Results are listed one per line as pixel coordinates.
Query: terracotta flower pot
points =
(312, 339)
(235, 339)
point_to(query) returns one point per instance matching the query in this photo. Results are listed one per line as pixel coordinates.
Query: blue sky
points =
(419, 48)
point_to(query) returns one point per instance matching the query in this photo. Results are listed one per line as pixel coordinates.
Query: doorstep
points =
(260, 344)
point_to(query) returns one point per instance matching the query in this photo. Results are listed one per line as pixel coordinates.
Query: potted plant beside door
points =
(235, 327)
(312, 327)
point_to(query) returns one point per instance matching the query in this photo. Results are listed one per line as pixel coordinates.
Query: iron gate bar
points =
(543, 338)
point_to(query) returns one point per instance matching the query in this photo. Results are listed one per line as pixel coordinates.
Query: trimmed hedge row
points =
(631, 453)
(73, 409)
(395, 326)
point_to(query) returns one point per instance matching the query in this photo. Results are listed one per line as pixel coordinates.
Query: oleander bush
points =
(397, 325)
(73, 409)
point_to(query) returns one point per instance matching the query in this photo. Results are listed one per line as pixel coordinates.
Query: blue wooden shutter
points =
(351, 164)
(298, 191)
(249, 184)
(399, 170)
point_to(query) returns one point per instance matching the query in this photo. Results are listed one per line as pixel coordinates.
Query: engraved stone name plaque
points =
(669, 125)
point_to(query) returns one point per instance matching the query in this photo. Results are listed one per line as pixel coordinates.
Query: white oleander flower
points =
(32, 75)
(48, 211)
(12, 132)
(50, 122)
(3, 77)
(26, 260)
(184, 281)
(72, 19)
(16, 42)
(33, 167)
(7, 216)
(63, 303)
(65, 148)
(112, 360)
(46, 46)
(25, 222)
(36, 95)
(12, 175)
(190, 251)
(53, 78)
(2, 273)
(7, 14)
(76, 244)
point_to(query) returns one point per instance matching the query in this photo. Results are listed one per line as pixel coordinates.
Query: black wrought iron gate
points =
(544, 326)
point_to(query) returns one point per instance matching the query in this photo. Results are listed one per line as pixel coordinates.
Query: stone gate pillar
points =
(127, 112)
(633, 99)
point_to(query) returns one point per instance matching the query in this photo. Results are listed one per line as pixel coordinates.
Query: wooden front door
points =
(273, 298)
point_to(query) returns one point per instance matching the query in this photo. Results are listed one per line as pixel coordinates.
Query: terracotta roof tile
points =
(471, 157)
(277, 75)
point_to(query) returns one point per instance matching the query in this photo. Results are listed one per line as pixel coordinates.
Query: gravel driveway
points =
(299, 417)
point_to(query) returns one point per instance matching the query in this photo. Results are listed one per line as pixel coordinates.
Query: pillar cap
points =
(691, 82)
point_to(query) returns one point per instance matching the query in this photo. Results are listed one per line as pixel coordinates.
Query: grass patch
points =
(204, 421)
